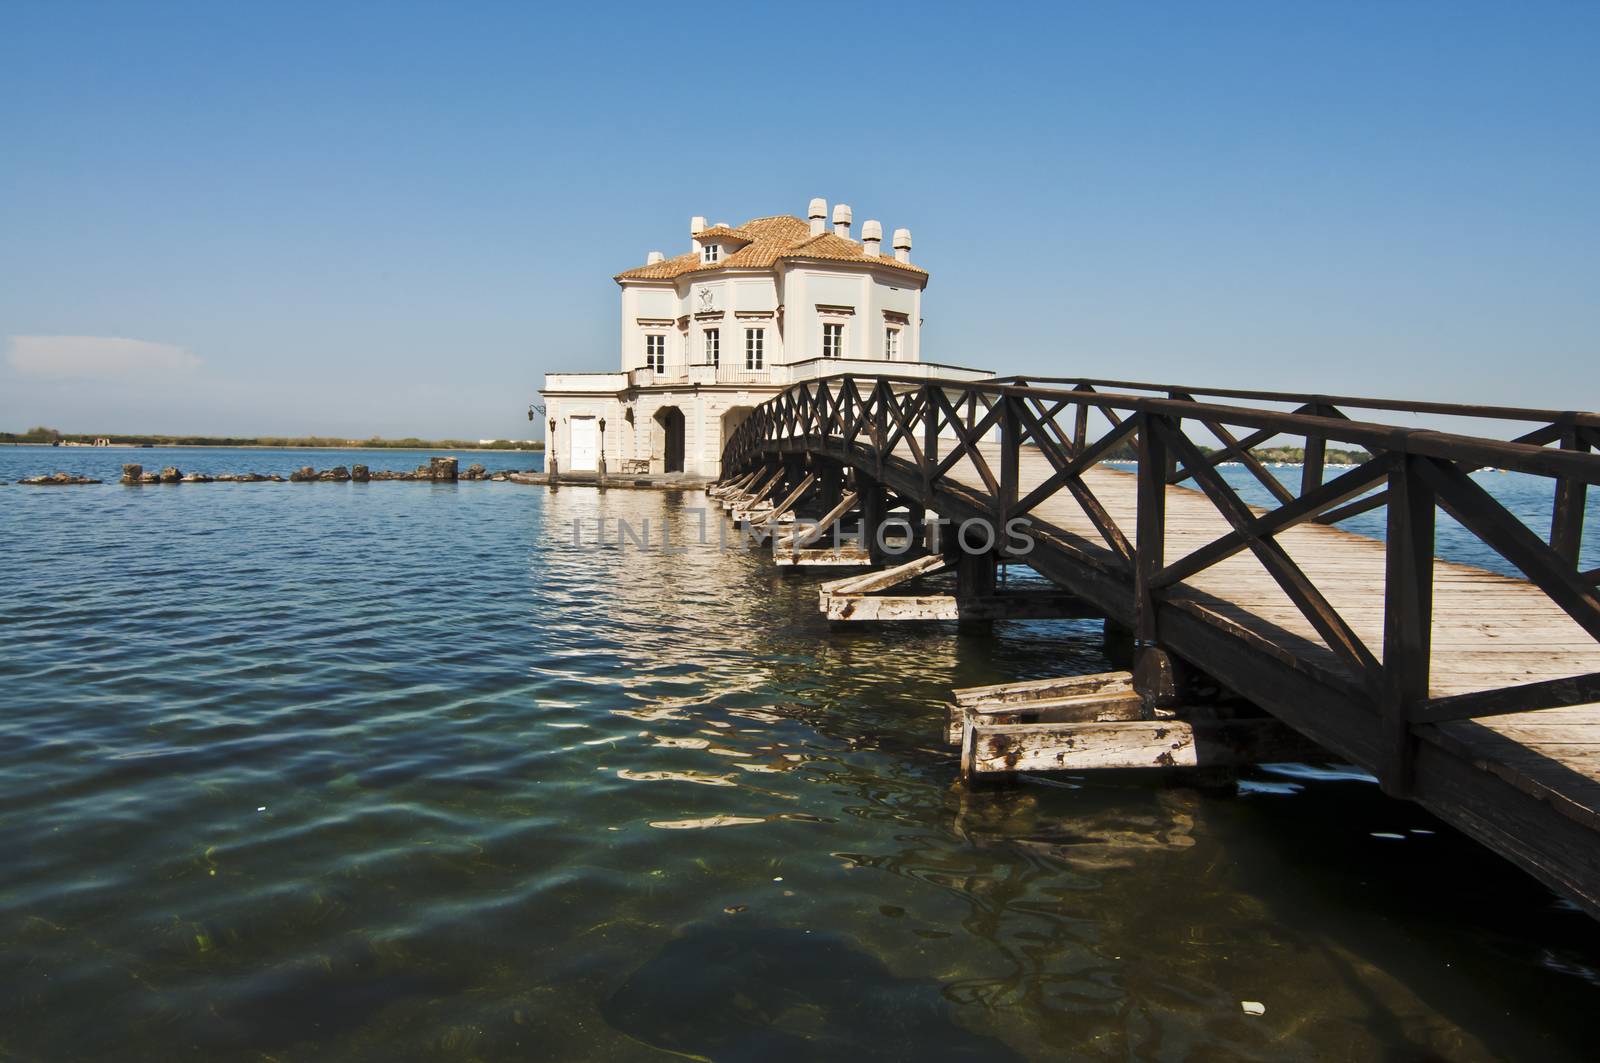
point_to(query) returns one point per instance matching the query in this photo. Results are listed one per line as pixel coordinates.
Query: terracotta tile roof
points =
(779, 237)
(723, 232)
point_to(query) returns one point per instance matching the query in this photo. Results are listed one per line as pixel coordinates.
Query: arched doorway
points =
(668, 438)
(731, 421)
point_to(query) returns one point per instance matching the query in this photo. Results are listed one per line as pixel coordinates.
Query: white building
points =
(711, 333)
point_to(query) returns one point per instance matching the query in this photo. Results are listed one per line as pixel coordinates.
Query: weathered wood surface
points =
(1120, 703)
(881, 580)
(1025, 605)
(824, 557)
(806, 535)
(1003, 748)
(1041, 689)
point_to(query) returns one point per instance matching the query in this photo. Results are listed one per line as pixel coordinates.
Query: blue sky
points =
(394, 218)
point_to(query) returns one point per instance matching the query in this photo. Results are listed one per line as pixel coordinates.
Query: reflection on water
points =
(391, 773)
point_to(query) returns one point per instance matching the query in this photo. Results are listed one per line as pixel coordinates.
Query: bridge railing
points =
(967, 439)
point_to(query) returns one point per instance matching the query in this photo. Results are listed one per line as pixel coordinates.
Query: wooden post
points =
(1080, 426)
(1152, 520)
(930, 440)
(880, 422)
(1010, 457)
(872, 504)
(1149, 556)
(1566, 518)
(1407, 622)
(1315, 456)
(830, 484)
(975, 580)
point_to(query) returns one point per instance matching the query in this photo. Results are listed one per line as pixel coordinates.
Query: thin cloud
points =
(95, 357)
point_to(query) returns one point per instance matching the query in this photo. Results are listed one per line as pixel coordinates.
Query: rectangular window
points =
(713, 347)
(655, 352)
(710, 253)
(891, 343)
(832, 340)
(755, 340)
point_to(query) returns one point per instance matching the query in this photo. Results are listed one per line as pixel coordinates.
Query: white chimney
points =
(871, 238)
(697, 225)
(841, 221)
(653, 257)
(902, 245)
(817, 212)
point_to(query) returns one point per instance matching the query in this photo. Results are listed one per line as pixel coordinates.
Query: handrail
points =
(922, 428)
(1450, 409)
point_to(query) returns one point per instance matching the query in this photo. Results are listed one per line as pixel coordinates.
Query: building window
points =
(832, 340)
(713, 347)
(755, 340)
(891, 344)
(710, 253)
(655, 352)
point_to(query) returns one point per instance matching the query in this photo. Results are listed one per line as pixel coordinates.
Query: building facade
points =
(708, 335)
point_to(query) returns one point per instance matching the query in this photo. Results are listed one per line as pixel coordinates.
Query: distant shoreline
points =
(276, 446)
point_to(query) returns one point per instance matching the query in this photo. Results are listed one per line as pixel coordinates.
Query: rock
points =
(360, 474)
(197, 478)
(275, 478)
(150, 478)
(171, 475)
(443, 469)
(57, 479)
(499, 477)
(337, 474)
(302, 475)
(132, 474)
(475, 471)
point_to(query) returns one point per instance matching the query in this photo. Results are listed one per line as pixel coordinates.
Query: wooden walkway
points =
(1316, 641)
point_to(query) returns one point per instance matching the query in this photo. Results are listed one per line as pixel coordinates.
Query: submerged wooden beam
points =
(1002, 748)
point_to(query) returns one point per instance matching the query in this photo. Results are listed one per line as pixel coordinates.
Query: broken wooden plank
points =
(890, 607)
(1045, 606)
(835, 556)
(1057, 686)
(1000, 748)
(883, 580)
(1101, 706)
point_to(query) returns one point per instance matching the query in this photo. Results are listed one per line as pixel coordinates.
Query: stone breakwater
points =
(437, 470)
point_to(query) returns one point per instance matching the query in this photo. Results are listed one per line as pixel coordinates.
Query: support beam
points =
(805, 536)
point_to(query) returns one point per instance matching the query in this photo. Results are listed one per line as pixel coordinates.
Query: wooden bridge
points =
(1472, 692)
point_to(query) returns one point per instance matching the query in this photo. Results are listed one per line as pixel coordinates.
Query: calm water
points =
(397, 771)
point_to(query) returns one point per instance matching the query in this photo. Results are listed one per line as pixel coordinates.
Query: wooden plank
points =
(889, 577)
(1038, 689)
(809, 535)
(824, 557)
(1072, 708)
(1046, 605)
(792, 497)
(1039, 747)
